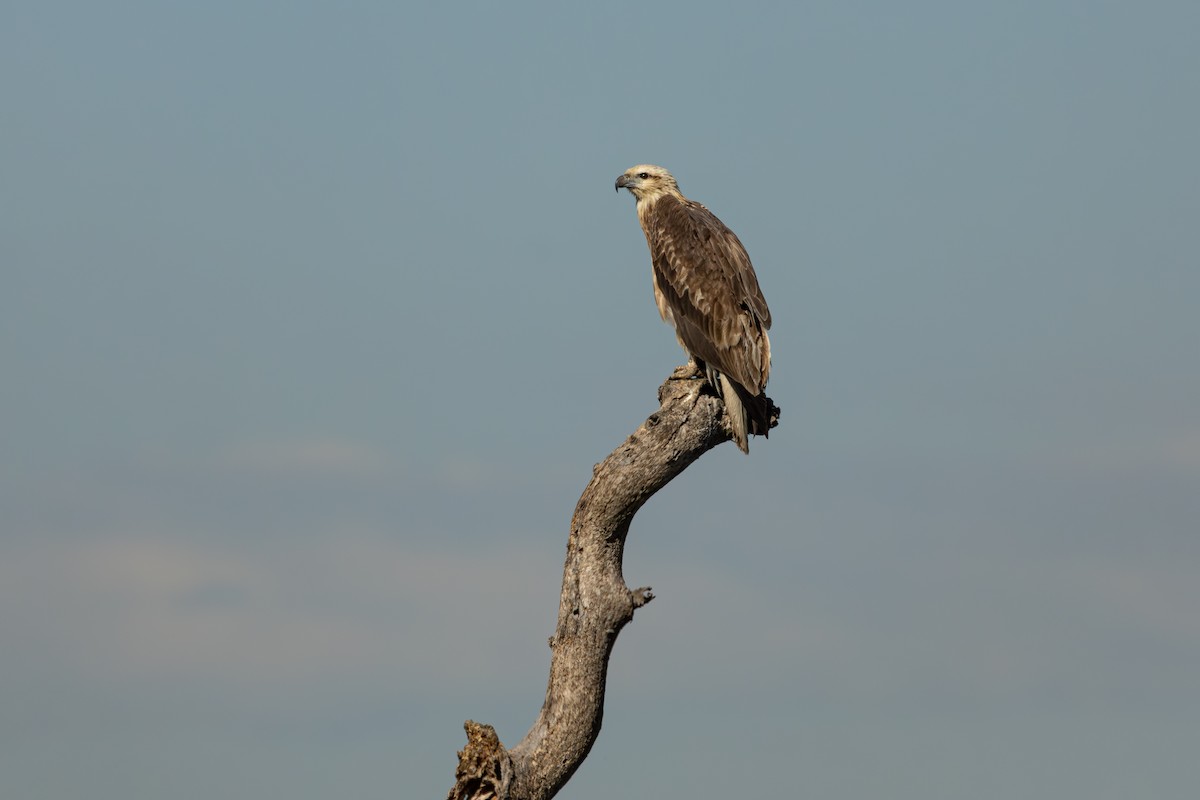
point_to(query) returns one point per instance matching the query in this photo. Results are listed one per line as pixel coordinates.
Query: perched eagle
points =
(706, 288)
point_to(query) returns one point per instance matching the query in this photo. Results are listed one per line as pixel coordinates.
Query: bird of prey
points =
(705, 286)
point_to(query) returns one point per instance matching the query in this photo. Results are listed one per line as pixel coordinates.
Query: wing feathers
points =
(706, 287)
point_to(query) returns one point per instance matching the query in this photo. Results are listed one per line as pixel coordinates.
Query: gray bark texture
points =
(595, 603)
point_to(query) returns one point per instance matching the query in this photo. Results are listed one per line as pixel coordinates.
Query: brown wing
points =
(709, 292)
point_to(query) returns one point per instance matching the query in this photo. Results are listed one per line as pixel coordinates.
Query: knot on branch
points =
(484, 766)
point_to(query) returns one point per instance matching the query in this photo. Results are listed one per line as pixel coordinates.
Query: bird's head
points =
(647, 182)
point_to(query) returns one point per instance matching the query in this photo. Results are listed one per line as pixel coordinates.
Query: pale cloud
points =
(328, 456)
(1183, 450)
(1178, 451)
(466, 472)
(325, 455)
(142, 606)
(1156, 596)
(976, 625)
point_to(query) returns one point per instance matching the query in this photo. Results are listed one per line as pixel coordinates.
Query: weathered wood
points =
(595, 603)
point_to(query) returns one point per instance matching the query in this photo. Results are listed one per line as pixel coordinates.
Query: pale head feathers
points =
(648, 182)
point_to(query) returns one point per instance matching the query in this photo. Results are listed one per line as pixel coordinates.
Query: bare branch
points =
(595, 603)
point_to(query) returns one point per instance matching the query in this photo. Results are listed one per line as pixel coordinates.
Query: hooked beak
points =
(622, 182)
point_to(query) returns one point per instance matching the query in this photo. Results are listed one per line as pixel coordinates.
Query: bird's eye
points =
(643, 175)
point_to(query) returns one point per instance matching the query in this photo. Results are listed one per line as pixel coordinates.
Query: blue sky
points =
(315, 318)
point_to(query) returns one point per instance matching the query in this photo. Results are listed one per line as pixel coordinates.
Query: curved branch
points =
(595, 603)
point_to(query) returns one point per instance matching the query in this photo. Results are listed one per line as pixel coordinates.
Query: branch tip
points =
(484, 767)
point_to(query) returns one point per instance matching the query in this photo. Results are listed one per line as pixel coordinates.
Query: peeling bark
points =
(595, 603)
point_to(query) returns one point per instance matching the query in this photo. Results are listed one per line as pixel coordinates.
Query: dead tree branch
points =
(595, 603)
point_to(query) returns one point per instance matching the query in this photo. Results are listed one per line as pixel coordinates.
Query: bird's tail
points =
(739, 421)
(736, 411)
(747, 414)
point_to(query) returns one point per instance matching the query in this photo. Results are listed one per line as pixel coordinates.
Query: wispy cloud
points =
(159, 607)
(1155, 596)
(328, 455)
(1177, 451)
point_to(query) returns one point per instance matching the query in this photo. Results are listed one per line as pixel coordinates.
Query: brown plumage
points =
(705, 286)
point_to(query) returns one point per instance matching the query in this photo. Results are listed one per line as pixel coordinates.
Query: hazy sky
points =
(315, 317)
